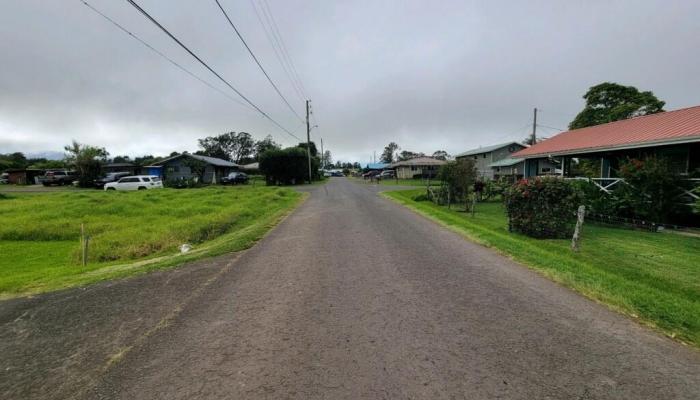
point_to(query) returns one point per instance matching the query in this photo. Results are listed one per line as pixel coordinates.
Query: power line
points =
(276, 47)
(153, 49)
(284, 48)
(256, 60)
(551, 127)
(264, 114)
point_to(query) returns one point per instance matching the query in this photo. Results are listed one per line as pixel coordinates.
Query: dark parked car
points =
(371, 174)
(337, 173)
(110, 177)
(58, 177)
(235, 178)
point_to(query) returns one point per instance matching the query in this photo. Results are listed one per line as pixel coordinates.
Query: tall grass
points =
(40, 232)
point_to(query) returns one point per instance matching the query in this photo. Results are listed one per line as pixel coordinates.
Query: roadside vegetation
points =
(649, 276)
(130, 232)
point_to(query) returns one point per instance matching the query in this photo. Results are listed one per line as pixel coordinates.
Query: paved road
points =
(351, 297)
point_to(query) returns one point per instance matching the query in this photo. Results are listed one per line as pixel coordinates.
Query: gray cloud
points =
(428, 75)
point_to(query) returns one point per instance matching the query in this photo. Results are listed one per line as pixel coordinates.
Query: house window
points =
(476, 157)
(484, 156)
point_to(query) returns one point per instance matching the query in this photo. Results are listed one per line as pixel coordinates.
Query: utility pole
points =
(323, 156)
(534, 127)
(308, 139)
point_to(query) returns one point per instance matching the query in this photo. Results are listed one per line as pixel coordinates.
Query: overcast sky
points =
(428, 75)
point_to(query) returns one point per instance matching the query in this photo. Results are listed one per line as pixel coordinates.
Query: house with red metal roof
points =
(672, 134)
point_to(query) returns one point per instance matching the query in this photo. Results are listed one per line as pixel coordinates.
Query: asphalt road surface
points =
(351, 297)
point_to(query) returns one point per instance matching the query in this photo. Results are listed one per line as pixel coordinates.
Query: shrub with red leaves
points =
(542, 207)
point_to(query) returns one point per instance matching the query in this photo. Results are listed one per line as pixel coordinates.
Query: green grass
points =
(130, 232)
(654, 277)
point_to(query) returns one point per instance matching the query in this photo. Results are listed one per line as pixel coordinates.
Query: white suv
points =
(140, 182)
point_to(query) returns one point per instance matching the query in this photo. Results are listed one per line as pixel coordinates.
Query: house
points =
(672, 134)
(252, 168)
(24, 176)
(376, 166)
(419, 167)
(488, 160)
(511, 168)
(120, 167)
(180, 167)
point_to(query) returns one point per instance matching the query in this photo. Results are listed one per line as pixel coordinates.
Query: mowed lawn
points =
(654, 277)
(130, 232)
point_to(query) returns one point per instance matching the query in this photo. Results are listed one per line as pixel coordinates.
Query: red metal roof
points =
(669, 127)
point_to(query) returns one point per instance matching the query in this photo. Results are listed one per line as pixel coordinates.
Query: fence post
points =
(579, 224)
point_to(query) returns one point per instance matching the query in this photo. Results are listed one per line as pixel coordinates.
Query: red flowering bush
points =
(542, 207)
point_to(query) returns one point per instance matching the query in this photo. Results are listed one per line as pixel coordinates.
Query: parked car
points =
(389, 173)
(139, 182)
(337, 173)
(235, 178)
(371, 174)
(4, 178)
(58, 177)
(110, 177)
(327, 174)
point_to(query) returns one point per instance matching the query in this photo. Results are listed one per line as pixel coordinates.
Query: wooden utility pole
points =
(534, 127)
(323, 156)
(308, 139)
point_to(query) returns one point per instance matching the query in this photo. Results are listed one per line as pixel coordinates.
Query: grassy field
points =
(654, 277)
(130, 232)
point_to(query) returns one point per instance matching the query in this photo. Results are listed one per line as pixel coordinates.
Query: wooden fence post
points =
(579, 224)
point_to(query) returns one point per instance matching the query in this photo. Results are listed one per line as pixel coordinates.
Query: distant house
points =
(419, 167)
(120, 167)
(509, 167)
(178, 167)
(671, 134)
(376, 166)
(489, 160)
(252, 168)
(24, 176)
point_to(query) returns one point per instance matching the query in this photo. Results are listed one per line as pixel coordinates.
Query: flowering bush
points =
(542, 207)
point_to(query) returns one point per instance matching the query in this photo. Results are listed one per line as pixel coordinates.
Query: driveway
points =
(351, 297)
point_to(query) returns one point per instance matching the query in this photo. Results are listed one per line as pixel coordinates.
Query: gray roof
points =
(251, 166)
(419, 161)
(506, 162)
(487, 149)
(209, 160)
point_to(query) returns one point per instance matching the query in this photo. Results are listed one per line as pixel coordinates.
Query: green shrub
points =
(287, 166)
(542, 207)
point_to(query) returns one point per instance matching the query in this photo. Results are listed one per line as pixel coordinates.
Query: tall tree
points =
(407, 155)
(608, 102)
(441, 155)
(327, 159)
(388, 153)
(86, 160)
(314, 150)
(230, 146)
(264, 145)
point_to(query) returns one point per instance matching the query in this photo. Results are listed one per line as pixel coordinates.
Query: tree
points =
(458, 178)
(229, 146)
(197, 167)
(121, 159)
(86, 160)
(407, 155)
(441, 155)
(264, 145)
(388, 153)
(287, 166)
(314, 150)
(326, 159)
(13, 161)
(610, 101)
